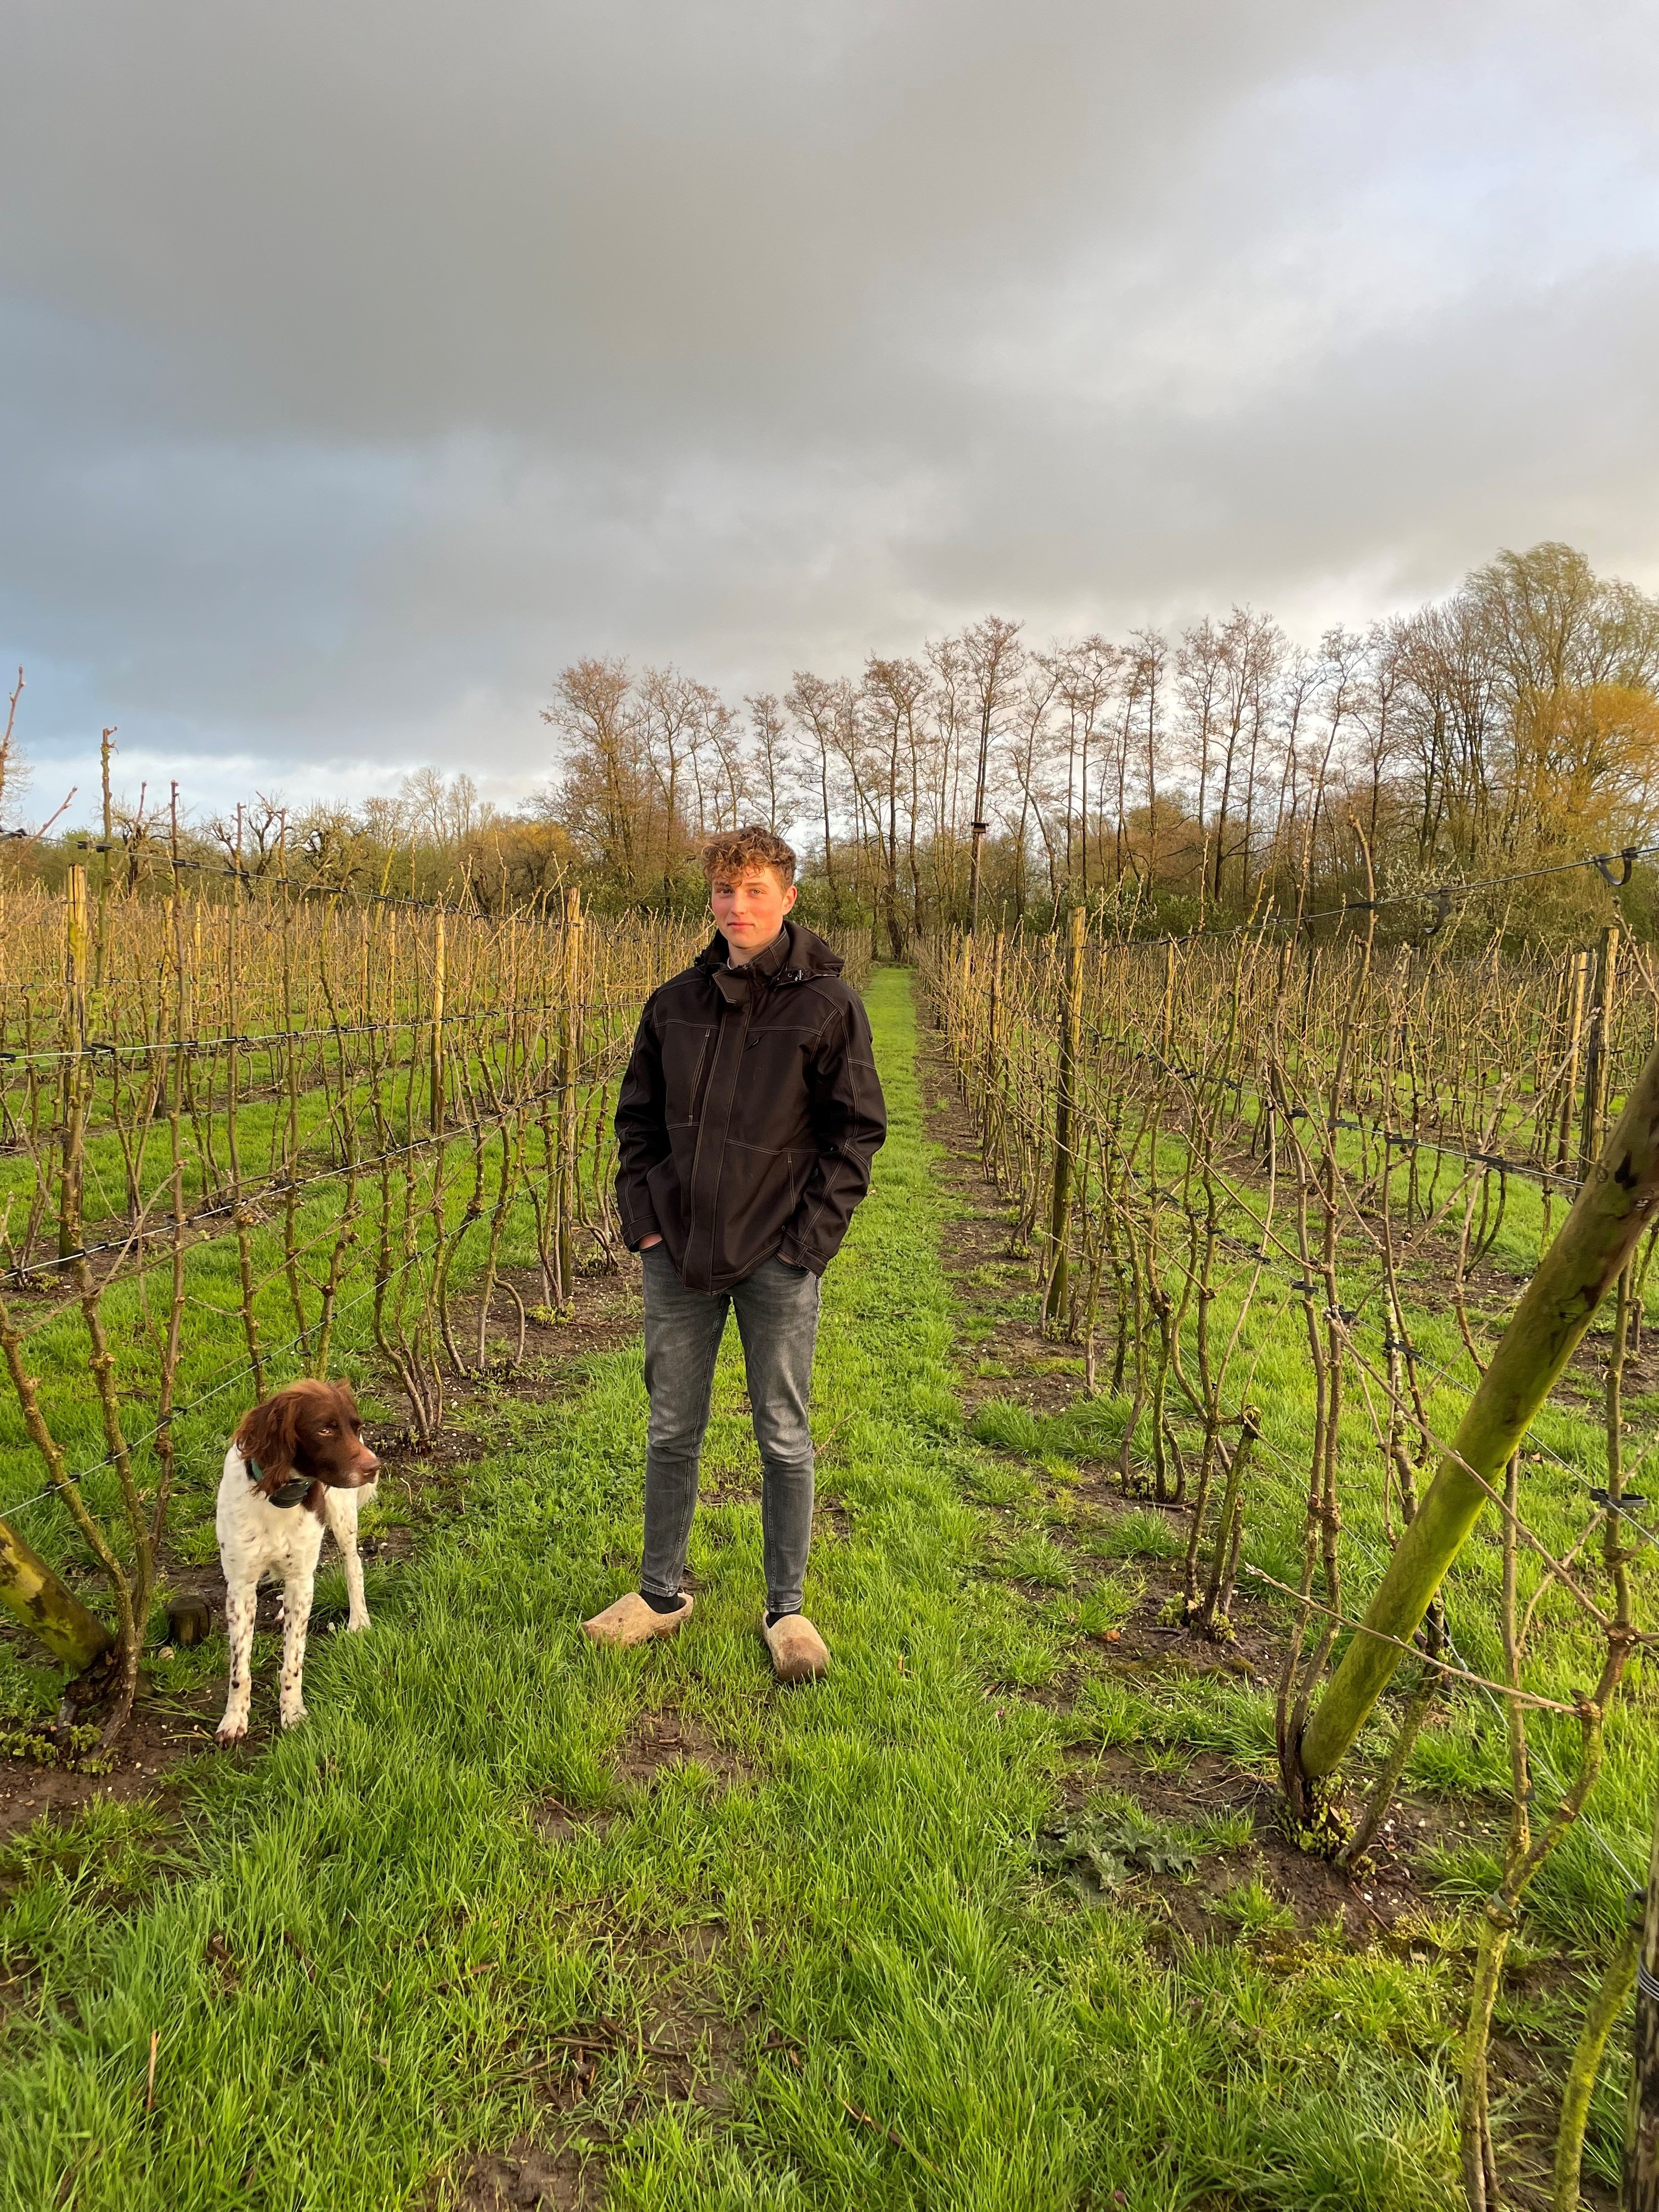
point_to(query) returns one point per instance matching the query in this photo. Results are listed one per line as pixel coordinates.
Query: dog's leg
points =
(341, 1506)
(238, 1624)
(296, 1615)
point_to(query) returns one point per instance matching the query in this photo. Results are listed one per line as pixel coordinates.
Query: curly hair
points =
(734, 851)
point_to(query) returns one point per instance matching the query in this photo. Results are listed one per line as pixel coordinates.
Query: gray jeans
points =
(777, 1310)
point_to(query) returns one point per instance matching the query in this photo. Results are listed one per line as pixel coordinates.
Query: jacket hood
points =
(796, 951)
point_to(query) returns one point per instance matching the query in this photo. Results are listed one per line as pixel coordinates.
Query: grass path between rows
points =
(367, 1960)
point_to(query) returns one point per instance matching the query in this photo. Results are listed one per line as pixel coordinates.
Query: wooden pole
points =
(1597, 1054)
(31, 1592)
(1578, 987)
(569, 1038)
(74, 1047)
(101, 941)
(1640, 2189)
(437, 1071)
(1169, 1000)
(1060, 1207)
(1615, 1205)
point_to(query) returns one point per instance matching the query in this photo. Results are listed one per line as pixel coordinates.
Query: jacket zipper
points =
(713, 1059)
(700, 1080)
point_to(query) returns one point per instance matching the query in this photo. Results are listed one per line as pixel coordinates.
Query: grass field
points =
(508, 1915)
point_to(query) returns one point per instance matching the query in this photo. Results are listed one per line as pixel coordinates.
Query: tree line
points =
(1182, 777)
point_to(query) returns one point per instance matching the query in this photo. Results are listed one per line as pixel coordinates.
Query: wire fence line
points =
(1441, 897)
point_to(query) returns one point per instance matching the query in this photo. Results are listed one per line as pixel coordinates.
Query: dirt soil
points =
(524, 2176)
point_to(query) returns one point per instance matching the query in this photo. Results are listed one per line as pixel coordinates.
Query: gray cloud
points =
(363, 365)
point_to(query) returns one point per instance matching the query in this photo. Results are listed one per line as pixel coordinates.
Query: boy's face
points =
(748, 911)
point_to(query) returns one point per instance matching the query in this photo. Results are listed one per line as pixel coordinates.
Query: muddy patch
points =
(658, 1742)
(523, 2176)
(555, 1822)
(152, 1744)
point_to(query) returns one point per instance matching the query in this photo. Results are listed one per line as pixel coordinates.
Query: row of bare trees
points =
(1236, 1163)
(1178, 777)
(1208, 771)
(243, 1138)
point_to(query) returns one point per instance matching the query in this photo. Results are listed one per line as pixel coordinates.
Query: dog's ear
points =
(269, 1435)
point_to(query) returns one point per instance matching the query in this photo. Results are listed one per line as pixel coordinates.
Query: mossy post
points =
(1614, 1206)
(52, 1614)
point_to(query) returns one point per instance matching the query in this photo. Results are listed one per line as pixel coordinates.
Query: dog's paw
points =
(293, 1717)
(229, 1732)
(356, 1627)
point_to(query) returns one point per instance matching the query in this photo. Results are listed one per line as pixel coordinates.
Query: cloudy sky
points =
(359, 366)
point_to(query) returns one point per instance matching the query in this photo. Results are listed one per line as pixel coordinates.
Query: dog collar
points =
(294, 1492)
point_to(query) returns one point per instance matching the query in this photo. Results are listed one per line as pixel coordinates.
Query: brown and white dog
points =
(297, 1461)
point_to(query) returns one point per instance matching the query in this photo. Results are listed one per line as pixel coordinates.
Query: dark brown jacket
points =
(749, 1113)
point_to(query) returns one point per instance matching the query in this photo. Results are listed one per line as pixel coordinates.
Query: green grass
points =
(360, 1954)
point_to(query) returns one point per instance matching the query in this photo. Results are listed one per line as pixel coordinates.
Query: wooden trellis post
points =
(76, 945)
(1059, 1205)
(569, 1048)
(437, 964)
(34, 1595)
(1616, 1204)
(1640, 2189)
(1597, 1053)
(1577, 992)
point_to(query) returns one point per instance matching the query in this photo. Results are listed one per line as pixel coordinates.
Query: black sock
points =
(772, 1619)
(662, 1604)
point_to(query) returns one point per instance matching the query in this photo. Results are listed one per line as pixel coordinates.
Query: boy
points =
(745, 1127)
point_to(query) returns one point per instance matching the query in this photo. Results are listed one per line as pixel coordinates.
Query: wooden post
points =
(569, 1049)
(101, 944)
(74, 1048)
(1169, 1000)
(437, 1115)
(990, 1119)
(978, 829)
(1616, 1203)
(1071, 1040)
(1577, 991)
(1596, 1053)
(30, 1591)
(1640, 2189)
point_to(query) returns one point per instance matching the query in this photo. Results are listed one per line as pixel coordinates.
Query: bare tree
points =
(253, 840)
(894, 691)
(14, 771)
(948, 712)
(995, 658)
(669, 716)
(719, 744)
(773, 776)
(1149, 658)
(1253, 651)
(1030, 738)
(606, 784)
(817, 706)
(1086, 674)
